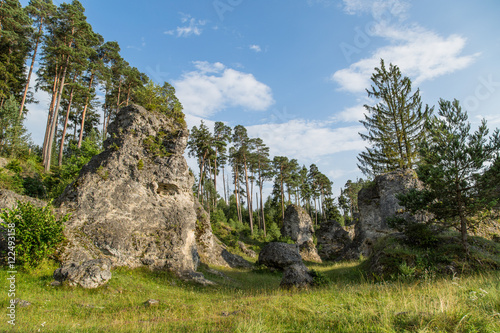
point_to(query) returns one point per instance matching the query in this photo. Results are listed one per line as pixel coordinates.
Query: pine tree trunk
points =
(84, 113)
(224, 183)
(31, 68)
(54, 124)
(63, 137)
(50, 116)
(262, 209)
(249, 198)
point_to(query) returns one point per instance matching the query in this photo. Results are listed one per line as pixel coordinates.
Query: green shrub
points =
(36, 232)
(140, 164)
(319, 278)
(14, 166)
(418, 234)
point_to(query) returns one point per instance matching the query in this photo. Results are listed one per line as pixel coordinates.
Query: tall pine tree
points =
(395, 124)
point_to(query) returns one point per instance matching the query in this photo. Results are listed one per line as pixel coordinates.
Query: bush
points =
(417, 234)
(37, 232)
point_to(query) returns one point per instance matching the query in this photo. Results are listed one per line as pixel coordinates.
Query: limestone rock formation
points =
(332, 240)
(89, 274)
(286, 257)
(279, 255)
(377, 203)
(211, 250)
(133, 203)
(299, 227)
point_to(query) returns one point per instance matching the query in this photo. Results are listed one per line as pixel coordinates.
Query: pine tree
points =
(395, 124)
(452, 161)
(15, 27)
(40, 11)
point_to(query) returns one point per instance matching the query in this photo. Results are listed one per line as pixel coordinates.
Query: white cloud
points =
(352, 114)
(193, 27)
(378, 8)
(255, 48)
(422, 56)
(307, 140)
(213, 87)
(419, 53)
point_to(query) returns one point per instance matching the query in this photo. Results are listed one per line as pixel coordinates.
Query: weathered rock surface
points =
(8, 199)
(89, 274)
(332, 240)
(246, 250)
(299, 227)
(133, 203)
(279, 255)
(377, 203)
(211, 250)
(296, 275)
(286, 257)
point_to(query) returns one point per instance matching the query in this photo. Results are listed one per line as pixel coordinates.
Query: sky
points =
(295, 72)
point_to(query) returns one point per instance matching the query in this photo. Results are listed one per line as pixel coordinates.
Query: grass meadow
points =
(251, 301)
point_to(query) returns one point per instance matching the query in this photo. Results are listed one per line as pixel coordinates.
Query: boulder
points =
(133, 203)
(89, 274)
(332, 240)
(377, 202)
(296, 275)
(279, 255)
(286, 257)
(211, 250)
(299, 227)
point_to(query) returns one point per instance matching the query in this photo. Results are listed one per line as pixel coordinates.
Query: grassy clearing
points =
(252, 302)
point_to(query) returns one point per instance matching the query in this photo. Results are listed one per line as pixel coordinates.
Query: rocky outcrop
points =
(286, 257)
(133, 203)
(299, 227)
(332, 240)
(211, 250)
(377, 202)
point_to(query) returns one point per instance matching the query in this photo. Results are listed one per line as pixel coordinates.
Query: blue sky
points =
(295, 72)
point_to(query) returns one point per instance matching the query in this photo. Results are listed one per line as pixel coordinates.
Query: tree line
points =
(74, 64)
(250, 167)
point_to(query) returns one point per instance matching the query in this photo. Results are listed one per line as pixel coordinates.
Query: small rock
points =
(21, 303)
(151, 302)
(56, 283)
(246, 250)
(89, 274)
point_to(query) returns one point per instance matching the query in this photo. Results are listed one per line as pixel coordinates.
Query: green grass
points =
(251, 301)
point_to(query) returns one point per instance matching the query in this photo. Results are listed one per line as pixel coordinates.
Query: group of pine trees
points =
(73, 63)
(458, 167)
(250, 167)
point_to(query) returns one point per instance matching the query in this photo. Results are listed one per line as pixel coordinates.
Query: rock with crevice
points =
(332, 240)
(211, 250)
(377, 202)
(133, 203)
(298, 226)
